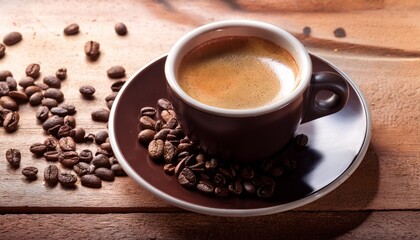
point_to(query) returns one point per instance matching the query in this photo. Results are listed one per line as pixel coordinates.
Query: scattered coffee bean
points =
(205, 187)
(120, 28)
(30, 173)
(59, 111)
(53, 121)
(64, 131)
(42, 113)
(116, 86)
(146, 136)
(87, 91)
(90, 137)
(265, 191)
(169, 168)
(54, 131)
(70, 121)
(81, 168)
(147, 123)
(19, 96)
(52, 156)
(50, 143)
(3, 113)
(42, 85)
(101, 160)
(61, 73)
(148, 111)
(78, 134)
(187, 178)
(306, 31)
(67, 144)
(52, 81)
(11, 83)
(11, 121)
(109, 104)
(12, 38)
(9, 103)
(68, 159)
(116, 72)
(92, 50)
(100, 137)
(51, 175)
(301, 141)
(4, 89)
(105, 174)
(101, 115)
(5, 74)
(118, 170)
(49, 102)
(85, 156)
(339, 32)
(111, 97)
(71, 29)
(13, 157)
(67, 179)
(26, 82)
(167, 115)
(29, 91)
(38, 149)
(32, 70)
(2, 50)
(91, 181)
(164, 104)
(54, 94)
(155, 149)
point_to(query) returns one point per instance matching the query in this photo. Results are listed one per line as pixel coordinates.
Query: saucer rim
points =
(242, 212)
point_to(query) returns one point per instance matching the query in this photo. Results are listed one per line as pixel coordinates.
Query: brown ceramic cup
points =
(248, 135)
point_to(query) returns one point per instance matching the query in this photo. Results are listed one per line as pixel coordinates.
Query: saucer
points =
(337, 145)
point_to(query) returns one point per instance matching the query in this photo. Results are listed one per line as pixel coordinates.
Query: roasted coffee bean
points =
(247, 173)
(78, 134)
(158, 126)
(4, 89)
(49, 102)
(105, 174)
(116, 72)
(70, 121)
(31, 90)
(187, 147)
(339, 32)
(32, 70)
(148, 111)
(81, 168)
(42, 85)
(54, 131)
(38, 149)
(11, 121)
(167, 115)
(12, 38)
(306, 31)
(42, 113)
(120, 28)
(64, 131)
(301, 141)
(265, 191)
(51, 175)
(169, 152)
(162, 134)
(2, 50)
(116, 86)
(68, 159)
(164, 104)
(187, 178)
(11, 83)
(106, 146)
(146, 136)
(61, 73)
(104, 152)
(100, 137)
(67, 144)
(52, 121)
(50, 143)
(30, 173)
(54, 94)
(205, 187)
(101, 160)
(91, 181)
(147, 123)
(221, 192)
(249, 187)
(13, 157)
(109, 104)
(113, 160)
(71, 29)
(155, 149)
(67, 179)
(59, 111)
(85, 156)
(90, 137)
(26, 82)
(236, 187)
(111, 97)
(87, 91)
(52, 156)
(52, 81)
(180, 166)
(171, 124)
(92, 50)
(101, 115)
(118, 170)
(9, 103)
(169, 168)
(4, 74)
(211, 164)
(3, 113)
(71, 109)
(19, 96)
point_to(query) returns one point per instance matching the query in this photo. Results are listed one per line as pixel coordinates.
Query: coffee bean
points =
(3, 113)
(116, 86)
(146, 136)
(100, 137)
(158, 126)
(64, 131)
(11, 121)
(185, 147)
(148, 111)
(92, 50)
(301, 141)
(4, 89)
(169, 168)
(19, 96)
(9, 103)
(187, 178)
(71, 29)
(236, 187)
(87, 91)
(67, 179)
(91, 181)
(42, 113)
(52, 81)
(265, 191)
(5, 74)
(59, 111)
(90, 137)
(118, 170)
(49, 102)
(81, 168)
(120, 29)
(54, 94)
(12, 38)
(101, 115)
(101, 160)
(104, 174)
(38, 149)
(26, 82)
(339, 33)
(61, 73)
(221, 192)
(53, 121)
(155, 149)
(162, 134)
(68, 159)
(32, 70)
(116, 72)
(205, 187)
(211, 164)
(30, 173)
(51, 175)
(111, 97)
(78, 134)
(219, 179)
(169, 152)
(164, 104)
(109, 104)
(50, 143)
(52, 156)
(106, 146)
(2, 50)
(13, 156)
(249, 187)
(70, 121)
(29, 91)
(11, 83)
(85, 156)
(67, 144)
(247, 173)
(306, 31)
(42, 85)
(54, 131)
(167, 115)
(147, 123)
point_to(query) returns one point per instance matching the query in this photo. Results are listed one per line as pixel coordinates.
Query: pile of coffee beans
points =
(196, 170)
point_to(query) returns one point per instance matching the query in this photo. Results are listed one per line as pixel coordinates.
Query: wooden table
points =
(381, 53)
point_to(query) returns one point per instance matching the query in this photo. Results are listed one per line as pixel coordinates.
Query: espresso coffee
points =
(238, 72)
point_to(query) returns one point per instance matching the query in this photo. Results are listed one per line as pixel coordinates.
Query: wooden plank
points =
(291, 225)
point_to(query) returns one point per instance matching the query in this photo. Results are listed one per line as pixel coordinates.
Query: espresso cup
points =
(252, 118)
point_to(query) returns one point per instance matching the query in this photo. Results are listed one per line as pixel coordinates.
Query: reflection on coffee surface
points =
(238, 73)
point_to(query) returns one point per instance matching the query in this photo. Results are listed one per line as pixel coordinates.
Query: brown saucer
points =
(337, 145)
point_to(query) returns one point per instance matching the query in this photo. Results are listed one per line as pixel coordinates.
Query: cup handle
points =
(328, 81)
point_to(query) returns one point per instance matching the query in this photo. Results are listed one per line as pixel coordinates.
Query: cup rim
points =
(174, 53)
